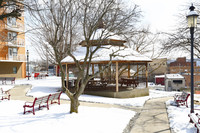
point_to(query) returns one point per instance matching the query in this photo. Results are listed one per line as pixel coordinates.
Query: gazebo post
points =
(67, 76)
(117, 86)
(146, 75)
(129, 71)
(92, 69)
(137, 73)
(56, 70)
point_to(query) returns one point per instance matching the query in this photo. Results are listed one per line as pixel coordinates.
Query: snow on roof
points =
(120, 54)
(159, 76)
(105, 34)
(174, 76)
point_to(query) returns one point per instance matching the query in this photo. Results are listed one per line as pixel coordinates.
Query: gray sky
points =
(161, 14)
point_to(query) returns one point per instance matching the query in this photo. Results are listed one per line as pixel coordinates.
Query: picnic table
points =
(129, 82)
(97, 83)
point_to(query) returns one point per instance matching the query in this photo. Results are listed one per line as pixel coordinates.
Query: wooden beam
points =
(114, 61)
(129, 74)
(146, 75)
(92, 69)
(56, 70)
(137, 73)
(117, 86)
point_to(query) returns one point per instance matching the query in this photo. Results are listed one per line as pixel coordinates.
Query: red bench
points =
(42, 102)
(195, 119)
(181, 99)
(55, 96)
(4, 94)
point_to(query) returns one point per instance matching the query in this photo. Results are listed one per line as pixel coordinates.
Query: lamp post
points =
(192, 23)
(27, 53)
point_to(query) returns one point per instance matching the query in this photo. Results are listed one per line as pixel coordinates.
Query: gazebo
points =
(122, 58)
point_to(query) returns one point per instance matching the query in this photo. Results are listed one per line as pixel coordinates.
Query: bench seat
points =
(181, 99)
(42, 102)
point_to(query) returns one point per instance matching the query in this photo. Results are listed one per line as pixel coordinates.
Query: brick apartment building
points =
(182, 66)
(12, 46)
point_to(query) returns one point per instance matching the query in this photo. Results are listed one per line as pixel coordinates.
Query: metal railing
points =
(16, 43)
(18, 27)
(19, 57)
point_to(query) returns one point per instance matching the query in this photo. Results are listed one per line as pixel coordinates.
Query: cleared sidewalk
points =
(153, 118)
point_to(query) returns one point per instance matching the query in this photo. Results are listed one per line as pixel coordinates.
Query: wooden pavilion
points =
(123, 56)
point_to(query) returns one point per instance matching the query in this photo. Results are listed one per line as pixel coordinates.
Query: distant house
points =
(173, 82)
(160, 79)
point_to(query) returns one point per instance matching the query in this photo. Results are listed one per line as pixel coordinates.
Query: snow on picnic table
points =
(89, 119)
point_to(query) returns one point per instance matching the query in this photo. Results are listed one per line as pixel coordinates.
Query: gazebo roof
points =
(104, 37)
(105, 34)
(120, 54)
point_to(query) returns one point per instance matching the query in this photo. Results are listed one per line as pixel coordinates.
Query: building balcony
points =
(16, 28)
(16, 43)
(19, 57)
(14, 58)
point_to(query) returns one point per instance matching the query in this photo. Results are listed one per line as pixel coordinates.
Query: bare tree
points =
(50, 22)
(179, 39)
(11, 8)
(117, 19)
(62, 24)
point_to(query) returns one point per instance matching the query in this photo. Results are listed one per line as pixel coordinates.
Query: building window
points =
(14, 51)
(177, 81)
(14, 70)
(11, 21)
(12, 36)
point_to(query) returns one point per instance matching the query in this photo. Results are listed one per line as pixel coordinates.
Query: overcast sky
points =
(161, 15)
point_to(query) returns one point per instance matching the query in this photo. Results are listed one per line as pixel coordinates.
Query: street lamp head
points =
(192, 17)
(27, 52)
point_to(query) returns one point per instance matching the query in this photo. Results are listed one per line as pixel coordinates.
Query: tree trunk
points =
(74, 105)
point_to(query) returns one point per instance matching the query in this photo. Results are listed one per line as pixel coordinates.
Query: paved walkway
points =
(152, 118)
(19, 93)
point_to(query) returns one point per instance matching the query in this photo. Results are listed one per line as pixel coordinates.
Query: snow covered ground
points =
(178, 118)
(89, 119)
(58, 119)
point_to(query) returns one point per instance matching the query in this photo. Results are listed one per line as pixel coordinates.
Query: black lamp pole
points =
(192, 69)
(192, 22)
(27, 53)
